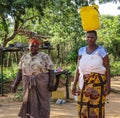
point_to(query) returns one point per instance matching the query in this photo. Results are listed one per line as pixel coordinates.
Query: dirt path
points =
(69, 110)
(9, 108)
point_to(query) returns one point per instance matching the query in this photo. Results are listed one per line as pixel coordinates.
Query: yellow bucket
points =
(90, 17)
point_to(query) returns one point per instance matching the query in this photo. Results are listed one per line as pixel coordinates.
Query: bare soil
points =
(9, 108)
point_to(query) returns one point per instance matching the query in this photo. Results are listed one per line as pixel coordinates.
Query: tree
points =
(110, 34)
(14, 14)
(17, 14)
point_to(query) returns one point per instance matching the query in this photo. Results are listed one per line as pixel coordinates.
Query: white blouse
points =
(92, 62)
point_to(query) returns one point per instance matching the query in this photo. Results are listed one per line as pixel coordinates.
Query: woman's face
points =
(33, 48)
(91, 38)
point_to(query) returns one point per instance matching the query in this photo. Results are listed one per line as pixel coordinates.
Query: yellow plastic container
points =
(58, 94)
(90, 17)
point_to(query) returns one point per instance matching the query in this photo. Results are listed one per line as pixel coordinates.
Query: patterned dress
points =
(91, 101)
(36, 97)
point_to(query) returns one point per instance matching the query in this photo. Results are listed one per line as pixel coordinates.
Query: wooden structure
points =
(67, 75)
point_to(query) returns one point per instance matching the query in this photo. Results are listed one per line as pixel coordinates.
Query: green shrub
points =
(9, 73)
(115, 68)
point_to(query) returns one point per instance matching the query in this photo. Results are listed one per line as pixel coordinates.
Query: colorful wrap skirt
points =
(91, 101)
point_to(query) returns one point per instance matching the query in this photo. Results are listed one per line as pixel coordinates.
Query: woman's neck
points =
(33, 54)
(91, 48)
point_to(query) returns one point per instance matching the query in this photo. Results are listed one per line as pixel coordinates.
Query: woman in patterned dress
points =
(36, 73)
(93, 78)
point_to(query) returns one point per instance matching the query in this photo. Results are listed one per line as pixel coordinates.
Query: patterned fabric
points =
(36, 97)
(35, 78)
(39, 63)
(91, 101)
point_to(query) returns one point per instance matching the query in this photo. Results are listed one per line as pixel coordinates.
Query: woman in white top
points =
(93, 76)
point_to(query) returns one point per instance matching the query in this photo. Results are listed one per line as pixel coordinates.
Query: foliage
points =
(9, 73)
(25, 14)
(115, 68)
(72, 68)
(62, 23)
(17, 14)
(109, 35)
(72, 57)
(19, 94)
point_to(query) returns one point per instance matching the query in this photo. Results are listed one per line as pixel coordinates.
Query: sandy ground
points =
(9, 108)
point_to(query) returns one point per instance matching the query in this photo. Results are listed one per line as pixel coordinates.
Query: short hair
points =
(93, 31)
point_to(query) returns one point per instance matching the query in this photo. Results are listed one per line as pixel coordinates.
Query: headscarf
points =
(34, 41)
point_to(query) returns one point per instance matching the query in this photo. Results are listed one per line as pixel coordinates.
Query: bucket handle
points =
(96, 10)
